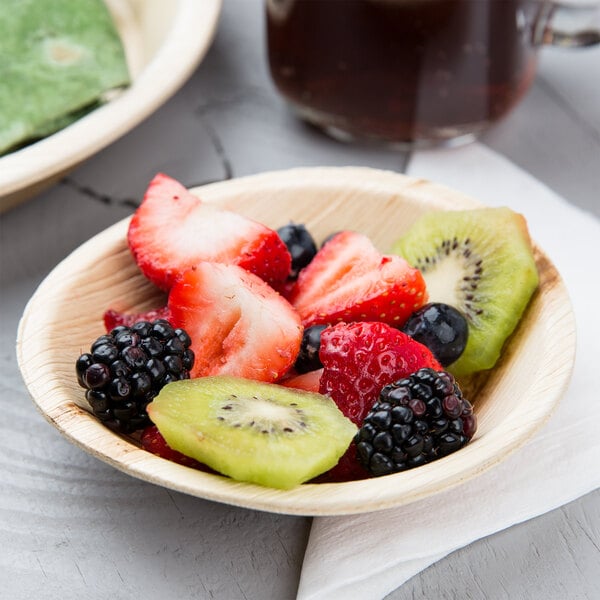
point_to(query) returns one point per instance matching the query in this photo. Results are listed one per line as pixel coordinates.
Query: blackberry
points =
(300, 245)
(126, 368)
(415, 420)
(440, 327)
(308, 357)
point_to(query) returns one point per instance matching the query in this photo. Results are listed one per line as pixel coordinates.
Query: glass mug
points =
(414, 72)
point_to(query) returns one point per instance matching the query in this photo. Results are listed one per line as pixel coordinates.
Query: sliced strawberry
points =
(349, 280)
(358, 360)
(239, 325)
(286, 288)
(113, 318)
(173, 230)
(307, 381)
(153, 441)
(347, 469)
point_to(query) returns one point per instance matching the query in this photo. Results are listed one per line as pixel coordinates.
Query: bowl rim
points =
(190, 35)
(370, 495)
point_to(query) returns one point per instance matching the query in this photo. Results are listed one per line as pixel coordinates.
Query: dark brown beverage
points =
(402, 70)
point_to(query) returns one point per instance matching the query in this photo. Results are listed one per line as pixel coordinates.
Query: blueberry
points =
(308, 357)
(440, 327)
(300, 245)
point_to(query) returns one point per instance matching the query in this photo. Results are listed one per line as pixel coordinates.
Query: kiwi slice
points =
(481, 262)
(252, 431)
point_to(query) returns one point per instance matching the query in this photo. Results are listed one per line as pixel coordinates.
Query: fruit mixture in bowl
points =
(279, 359)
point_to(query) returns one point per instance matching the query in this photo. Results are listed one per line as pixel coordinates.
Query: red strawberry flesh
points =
(306, 381)
(349, 280)
(153, 441)
(238, 324)
(173, 230)
(347, 469)
(113, 318)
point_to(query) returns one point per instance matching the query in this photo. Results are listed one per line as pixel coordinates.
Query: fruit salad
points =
(278, 360)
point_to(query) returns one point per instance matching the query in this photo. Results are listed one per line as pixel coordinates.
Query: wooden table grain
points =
(73, 527)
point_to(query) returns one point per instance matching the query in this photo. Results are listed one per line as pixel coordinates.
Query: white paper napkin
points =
(367, 556)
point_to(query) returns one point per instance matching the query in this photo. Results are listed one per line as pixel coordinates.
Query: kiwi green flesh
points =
(252, 431)
(481, 262)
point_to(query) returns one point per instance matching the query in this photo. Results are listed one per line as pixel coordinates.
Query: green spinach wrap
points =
(58, 58)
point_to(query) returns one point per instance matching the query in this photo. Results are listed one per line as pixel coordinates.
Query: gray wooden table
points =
(73, 527)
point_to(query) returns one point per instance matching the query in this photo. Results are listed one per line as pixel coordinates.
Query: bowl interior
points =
(512, 401)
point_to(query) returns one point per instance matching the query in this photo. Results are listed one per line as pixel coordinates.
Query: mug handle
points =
(569, 25)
